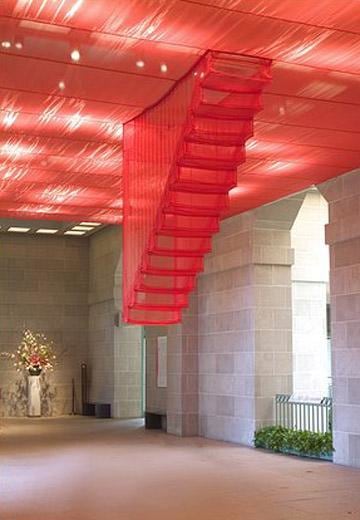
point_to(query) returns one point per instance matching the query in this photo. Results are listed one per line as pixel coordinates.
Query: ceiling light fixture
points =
(61, 85)
(89, 224)
(47, 231)
(140, 64)
(75, 55)
(163, 67)
(18, 45)
(15, 229)
(76, 233)
(6, 44)
(82, 228)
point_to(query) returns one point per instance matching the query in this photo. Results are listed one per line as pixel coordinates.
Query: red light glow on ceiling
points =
(72, 72)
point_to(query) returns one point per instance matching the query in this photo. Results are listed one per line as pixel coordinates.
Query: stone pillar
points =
(128, 362)
(182, 390)
(245, 323)
(343, 236)
(115, 349)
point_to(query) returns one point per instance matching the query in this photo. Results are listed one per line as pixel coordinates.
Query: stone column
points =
(245, 323)
(182, 390)
(343, 236)
(115, 353)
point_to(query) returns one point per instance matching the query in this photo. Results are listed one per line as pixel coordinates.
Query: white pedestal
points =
(34, 399)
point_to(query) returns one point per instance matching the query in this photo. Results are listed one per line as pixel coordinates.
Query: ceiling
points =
(61, 114)
(49, 227)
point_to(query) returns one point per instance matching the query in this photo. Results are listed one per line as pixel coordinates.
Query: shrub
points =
(280, 439)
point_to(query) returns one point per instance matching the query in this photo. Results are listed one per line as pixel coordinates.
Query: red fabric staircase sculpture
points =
(180, 161)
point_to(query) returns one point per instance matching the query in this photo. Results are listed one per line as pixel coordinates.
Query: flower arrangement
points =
(34, 354)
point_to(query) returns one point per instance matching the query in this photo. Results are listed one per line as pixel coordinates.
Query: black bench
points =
(155, 421)
(103, 410)
(99, 410)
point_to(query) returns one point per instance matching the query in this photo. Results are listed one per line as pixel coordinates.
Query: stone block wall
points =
(233, 350)
(183, 374)
(103, 257)
(343, 237)
(43, 286)
(226, 340)
(70, 290)
(244, 309)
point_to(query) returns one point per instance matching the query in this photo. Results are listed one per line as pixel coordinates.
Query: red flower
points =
(35, 359)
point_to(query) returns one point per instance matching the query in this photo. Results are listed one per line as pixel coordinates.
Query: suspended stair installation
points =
(180, 161)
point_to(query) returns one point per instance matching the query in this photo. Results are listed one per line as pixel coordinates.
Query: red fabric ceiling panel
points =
(326, 13)
(61, 121)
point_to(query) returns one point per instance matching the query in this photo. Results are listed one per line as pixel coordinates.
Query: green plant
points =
(280, 439)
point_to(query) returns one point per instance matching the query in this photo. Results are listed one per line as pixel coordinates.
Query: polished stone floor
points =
(89, 469)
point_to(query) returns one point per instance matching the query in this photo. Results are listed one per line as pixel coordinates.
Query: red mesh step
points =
(197, 203)
(166, 284)
(152, 316)
(205, 163)
(169, 263)
(148, 269)
(204, 180)
(178, 246)
(166, 301)
(181, 159)
(234, 154)
(244, 100)
(218, 131)
(189, 226)
(230, 74)
(224, 112)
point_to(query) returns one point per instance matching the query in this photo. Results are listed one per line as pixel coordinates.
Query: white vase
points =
(34, 396)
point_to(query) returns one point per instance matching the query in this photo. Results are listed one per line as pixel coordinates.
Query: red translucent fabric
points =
(61, 148)
(180, 161)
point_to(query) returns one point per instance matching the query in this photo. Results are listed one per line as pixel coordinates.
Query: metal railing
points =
(301, 415)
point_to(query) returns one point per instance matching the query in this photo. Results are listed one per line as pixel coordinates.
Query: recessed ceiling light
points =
(6, 44)
(15, 229)
(140, 64)
(163, 67)
(75, 55)
(89, 224)
(47, 231)
(82, 228)
(74, 233)
(18, 45)
(61, 85)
